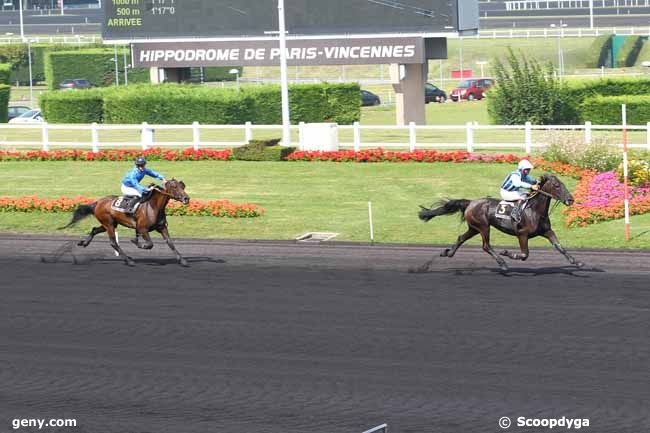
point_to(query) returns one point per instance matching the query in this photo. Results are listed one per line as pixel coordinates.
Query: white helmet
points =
(524, 164)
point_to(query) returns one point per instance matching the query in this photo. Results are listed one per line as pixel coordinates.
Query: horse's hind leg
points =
(110, 230)
(94, 232)
(523, 245)
(470, 233)
(165, 234)
(485, 234)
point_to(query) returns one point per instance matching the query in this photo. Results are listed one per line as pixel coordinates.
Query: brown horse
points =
(481, 214)
(149, 216)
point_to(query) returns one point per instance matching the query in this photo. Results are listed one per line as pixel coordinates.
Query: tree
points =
(525, 91)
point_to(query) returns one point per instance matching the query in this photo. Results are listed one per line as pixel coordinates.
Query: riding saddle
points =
(505, 208)
(127, 204)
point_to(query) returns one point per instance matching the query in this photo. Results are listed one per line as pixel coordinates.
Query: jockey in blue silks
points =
(514, 182)
(131, 181)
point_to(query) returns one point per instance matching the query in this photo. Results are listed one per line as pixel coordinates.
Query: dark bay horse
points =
(481, 214)
(149, 216)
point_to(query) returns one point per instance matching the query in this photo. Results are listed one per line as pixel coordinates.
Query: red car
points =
(471, 89)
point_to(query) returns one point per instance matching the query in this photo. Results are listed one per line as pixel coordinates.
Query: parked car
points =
(77, 83)
(471, 89)
(31, 116)
(433, 94)
(16, 110)
(369, 98)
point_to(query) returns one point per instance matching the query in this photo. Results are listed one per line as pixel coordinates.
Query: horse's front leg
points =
(110, 231)
(523, 246)
(162, 229)
(94, 232)
(485, 234)
(552, 238)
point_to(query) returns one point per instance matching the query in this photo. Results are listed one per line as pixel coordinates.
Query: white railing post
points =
(587, 132)
(357, 136)
(248, 132)
(94, 134)
(412, 136)
(470, 137)
(528, 137)
(145, 136)
(301, 135)
(45, 138)
(196, 135)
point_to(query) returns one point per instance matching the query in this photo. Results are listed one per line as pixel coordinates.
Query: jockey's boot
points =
(516, 212)
(134, 202)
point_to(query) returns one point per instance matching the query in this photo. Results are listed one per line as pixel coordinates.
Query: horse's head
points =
(556, 189)
(176, 189)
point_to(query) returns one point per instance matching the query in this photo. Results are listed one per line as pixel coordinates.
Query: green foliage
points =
(606, 110)
(94, 64)
(176, 104)
(638, 172)
(570, 148)
(262, 150)
(344, 103)
(5, 73)
(629, 51)
(526, 92)
(598, 51)
(216, 73)
(75, 106)
(5, 93)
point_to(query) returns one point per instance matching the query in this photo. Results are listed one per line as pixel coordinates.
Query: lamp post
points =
(560, 56)
(20, 14)
(286, 132)
(235, 71)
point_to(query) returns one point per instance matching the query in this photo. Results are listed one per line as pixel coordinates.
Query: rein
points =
(539, 191)
(163, 192)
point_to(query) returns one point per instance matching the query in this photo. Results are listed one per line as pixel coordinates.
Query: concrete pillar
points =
(156, 75)
(408, 82)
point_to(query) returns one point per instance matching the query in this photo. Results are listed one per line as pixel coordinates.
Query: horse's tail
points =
(445, 207)
(80, 213)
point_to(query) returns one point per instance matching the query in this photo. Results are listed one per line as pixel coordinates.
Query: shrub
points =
(74, 106)
(629, 51)
(568, 148)
(526, 92)
(607, 110)
(638, 173)
(262, 150)
(5, 93)
(598, 51)
(5, 73)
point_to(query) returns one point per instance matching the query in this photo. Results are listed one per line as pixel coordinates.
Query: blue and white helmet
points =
(524, 164)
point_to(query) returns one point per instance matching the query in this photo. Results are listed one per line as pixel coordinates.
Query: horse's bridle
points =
(163, 192)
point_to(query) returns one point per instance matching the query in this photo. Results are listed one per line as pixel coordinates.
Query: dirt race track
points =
(294, 338)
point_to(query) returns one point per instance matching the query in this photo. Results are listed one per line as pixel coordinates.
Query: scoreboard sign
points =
(134, 20)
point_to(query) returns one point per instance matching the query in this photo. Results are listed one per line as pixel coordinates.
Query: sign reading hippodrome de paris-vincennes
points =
(267, 53)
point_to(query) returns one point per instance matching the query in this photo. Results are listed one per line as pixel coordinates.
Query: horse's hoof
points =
(505, 253)
(183, 263)
(580, 265)
(504, 269)
(445, 253)
(135, 242)
(81, 244)
(130, 261)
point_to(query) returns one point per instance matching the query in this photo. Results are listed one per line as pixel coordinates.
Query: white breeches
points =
(513, 195)
(127, 190)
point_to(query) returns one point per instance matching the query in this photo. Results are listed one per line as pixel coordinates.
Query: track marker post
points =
(625, 181)
(372, 230)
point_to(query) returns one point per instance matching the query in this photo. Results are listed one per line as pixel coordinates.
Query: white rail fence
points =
(470, 136)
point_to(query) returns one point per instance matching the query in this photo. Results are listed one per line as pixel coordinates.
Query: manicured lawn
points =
(300, 197)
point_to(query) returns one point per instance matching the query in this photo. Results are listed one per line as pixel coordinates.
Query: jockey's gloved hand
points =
(535, 187)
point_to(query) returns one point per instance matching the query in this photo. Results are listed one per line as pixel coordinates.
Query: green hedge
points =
(94, 64)
(262, 150)
(216, 73)
(598, 51)
(183, 104)
(629, 51)
(5, 73)
(83, 106)
(5, 93)
(606, 110)
(176, 104)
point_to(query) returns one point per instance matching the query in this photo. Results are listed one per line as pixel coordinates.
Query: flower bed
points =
(152, 154)
(381, 155)
(216, 208)
(600, 197)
